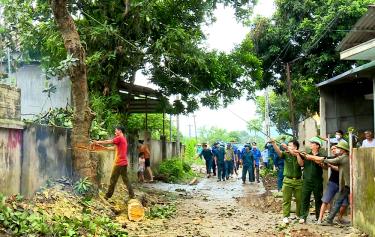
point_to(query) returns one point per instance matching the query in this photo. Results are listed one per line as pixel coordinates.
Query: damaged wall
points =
(46, 155)
(363, 189)
(10, 160)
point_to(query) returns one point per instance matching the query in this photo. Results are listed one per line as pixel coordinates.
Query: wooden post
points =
(351, 175)
(290, 97)
(373, 101)
(146, 122)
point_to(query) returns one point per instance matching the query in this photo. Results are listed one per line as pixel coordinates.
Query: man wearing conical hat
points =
(342, 161)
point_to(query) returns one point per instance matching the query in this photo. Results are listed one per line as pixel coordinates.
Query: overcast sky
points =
(223, 35)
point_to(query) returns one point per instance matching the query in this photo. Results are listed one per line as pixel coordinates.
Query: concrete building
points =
(348, 100)
(32, 81)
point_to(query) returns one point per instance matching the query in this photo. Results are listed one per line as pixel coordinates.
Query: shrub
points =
(175, 170)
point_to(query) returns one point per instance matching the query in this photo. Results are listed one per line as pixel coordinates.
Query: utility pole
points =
(170, 127)
(291, 107)
(195, 128)
(178, 131)
(190, 130)
(267, 114)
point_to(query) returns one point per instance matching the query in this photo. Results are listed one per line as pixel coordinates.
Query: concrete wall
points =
(363, 189)
(105, 159)
(32, 81)
(306, 130)
(32, 154)
(10, 160)
(344, 105)
(46, 155)
(10, 102)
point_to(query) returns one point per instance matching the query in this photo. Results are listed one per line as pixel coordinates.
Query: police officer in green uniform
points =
(292, 182)
(312, 180)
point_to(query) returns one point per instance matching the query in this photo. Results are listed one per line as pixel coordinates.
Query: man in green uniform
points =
(292, 183)
(312, 180)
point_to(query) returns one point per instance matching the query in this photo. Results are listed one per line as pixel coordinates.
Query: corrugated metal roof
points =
(363, 31)
(366, 71)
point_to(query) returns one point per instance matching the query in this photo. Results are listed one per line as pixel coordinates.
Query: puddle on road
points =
(209, 187)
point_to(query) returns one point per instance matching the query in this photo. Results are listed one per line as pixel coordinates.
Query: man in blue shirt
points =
(207, 155)
(248, 164)
(214, 153)
(257, 155)
(219, 154)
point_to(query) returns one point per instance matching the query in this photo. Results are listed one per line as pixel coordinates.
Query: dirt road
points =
(229, 208)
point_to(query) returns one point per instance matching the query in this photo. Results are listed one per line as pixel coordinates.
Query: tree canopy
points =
(305, 35)
(163, 39)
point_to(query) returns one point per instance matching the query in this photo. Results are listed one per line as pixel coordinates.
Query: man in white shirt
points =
(369, 141)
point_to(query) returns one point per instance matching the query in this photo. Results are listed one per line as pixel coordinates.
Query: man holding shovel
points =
(121, 162)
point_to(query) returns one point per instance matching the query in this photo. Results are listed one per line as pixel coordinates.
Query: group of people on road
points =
(224, 161)
(303, 174)
(300, 173)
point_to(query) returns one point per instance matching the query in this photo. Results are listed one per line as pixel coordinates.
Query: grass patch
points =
(267, 172)
(176, 170)
(161, 211)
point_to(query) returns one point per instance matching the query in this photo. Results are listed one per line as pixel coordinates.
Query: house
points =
(32, 81)
(348, 100)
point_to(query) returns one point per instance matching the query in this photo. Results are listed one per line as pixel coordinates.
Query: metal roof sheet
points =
(366, 71)
(141, 99)
(362, 31)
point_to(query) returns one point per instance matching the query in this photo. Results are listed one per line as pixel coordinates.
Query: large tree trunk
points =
(82, 165)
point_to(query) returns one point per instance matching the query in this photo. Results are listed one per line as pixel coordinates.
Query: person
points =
(369, 140)
(278, 164)
(292, 183)
(141, 167)
(265, 157)
(342, 160)
(146, 150)
(257, 155)
(339, 136)
(248, 165)
(214, 151)
(121, 162)
(312, 180)
(229, 159)
(219, 155)
(235, 160)
(199, 149)
(331, 190)
(238, 157)
(207, 155)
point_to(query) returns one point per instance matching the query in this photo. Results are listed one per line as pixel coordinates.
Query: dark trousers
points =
(214, 168)
(344, 194)
(116, 172)
(208, 165)
(280, 177)
(248, 169)
(221, 171)
(308, 187)
(228, 168)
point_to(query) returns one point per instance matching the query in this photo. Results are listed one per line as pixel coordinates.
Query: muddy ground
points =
(228, 208)
(207, 208)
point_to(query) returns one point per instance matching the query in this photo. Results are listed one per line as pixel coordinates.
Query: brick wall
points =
(10, 102)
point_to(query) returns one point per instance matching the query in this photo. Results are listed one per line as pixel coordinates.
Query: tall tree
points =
(303, 34)
(107, 42)
(82, 115)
